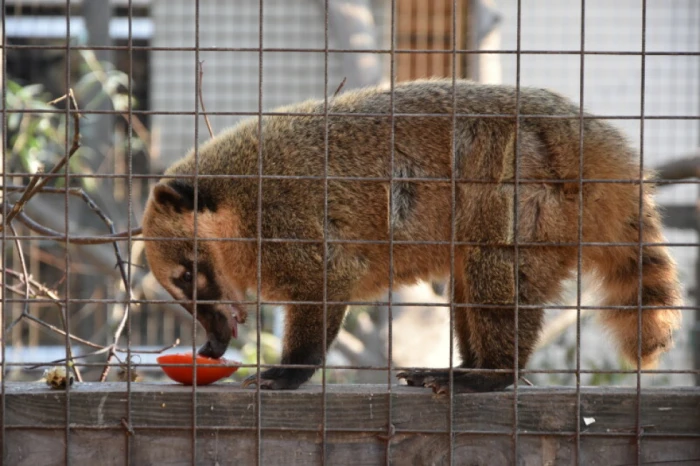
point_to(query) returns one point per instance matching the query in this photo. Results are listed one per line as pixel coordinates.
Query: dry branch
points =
(37, 182)
(31, 289)
(340, 87)
(201, 99)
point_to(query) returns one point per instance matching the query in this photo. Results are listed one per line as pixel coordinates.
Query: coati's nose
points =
(216, 320)
(213, 349)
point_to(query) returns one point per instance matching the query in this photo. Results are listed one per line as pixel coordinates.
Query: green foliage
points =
(269, 352)
(103, 82)
(38, 136)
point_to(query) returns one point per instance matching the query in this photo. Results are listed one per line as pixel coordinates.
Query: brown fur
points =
(485, 164)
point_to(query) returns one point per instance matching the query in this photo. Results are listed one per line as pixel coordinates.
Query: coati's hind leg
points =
(487, 334)
(432, 378)
(619, 269)
(303, 345)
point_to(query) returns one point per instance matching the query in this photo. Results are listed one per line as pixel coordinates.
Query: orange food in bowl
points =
(208, 370)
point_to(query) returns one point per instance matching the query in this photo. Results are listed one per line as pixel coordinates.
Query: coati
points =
(393, 175)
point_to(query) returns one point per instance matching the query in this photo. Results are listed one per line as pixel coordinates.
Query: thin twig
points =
(108, 364)
(58, 236)
(25, 273)
(527, 382)
(63, 360)
(127, 286)
(158, 351)
(201, 99)
(130, 118)
(61, 332)
(69, 348)
(36, 185)
(38, 181)
(25, 311)
(46, 291)
(74, 146)
(26, 195)
(342, 83)
(15, 290)
(106, 349)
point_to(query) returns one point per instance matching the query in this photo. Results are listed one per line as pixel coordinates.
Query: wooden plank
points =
(348, 407)
(40, 448)
(357, 419)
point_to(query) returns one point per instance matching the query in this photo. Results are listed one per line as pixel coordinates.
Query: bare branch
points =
(34, 289)
(46, 231)
(340, 87)
(201, 99)
(107, 349)
(23, 264)
(158, 351)
(58, 236)
(55, 329)
(37, 182)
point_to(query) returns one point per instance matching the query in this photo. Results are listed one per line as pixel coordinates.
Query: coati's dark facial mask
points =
(169, 215)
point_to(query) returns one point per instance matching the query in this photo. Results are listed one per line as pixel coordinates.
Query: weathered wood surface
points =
(161, 416)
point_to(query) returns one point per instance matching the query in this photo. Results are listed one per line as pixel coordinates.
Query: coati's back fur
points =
(418, 151)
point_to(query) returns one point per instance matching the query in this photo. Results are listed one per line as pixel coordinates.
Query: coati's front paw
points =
(439, 381)
(279, 379)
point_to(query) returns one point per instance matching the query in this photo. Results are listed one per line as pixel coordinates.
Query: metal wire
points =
(130, 201)
(258, 271)
(3, 252)
(533, 116)
(455, 52)
(326, 255)
(516, 229)
(392, 154)
(195, 261)
(353, 51)
(579, 251)
(642, 94)
(67, 230)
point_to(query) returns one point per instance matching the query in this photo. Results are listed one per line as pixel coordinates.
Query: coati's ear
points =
(165, 196)
(169, 196)
(179, 196)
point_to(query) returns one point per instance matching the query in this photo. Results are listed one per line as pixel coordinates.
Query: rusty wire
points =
(32, 289)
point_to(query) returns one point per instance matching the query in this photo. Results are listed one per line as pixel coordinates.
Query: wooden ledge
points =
(153, 424)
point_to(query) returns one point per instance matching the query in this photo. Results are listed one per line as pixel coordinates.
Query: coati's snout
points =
(220, 322)
(169, 226)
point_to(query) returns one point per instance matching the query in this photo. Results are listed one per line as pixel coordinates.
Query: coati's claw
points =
(265, 384)
(427, 379)
(462, 382)
(417, 378)
(279, 379)
(439, 389)
(404, 375)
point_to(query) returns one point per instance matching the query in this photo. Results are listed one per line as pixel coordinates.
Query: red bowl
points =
(208, 370)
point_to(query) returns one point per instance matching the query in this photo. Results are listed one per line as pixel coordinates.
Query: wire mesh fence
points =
(305, 209)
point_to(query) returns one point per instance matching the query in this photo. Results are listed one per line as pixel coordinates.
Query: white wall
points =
(231, 77)
(613, 86)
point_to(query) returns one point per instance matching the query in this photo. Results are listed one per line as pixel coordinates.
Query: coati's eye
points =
(187, 277)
